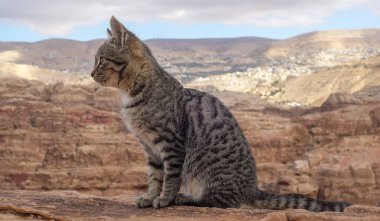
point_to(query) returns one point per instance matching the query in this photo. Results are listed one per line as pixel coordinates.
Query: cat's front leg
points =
(173, 158)
(155, 180)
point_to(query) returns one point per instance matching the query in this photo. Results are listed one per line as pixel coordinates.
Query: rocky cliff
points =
(70, 137)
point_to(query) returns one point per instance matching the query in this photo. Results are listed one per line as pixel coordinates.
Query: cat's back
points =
(217, 151)
(210, 121)
(200, 101)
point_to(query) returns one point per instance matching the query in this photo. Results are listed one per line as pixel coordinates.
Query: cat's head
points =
(120, 58)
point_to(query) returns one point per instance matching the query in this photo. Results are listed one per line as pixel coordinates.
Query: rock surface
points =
(65, 137)
(70, 137)
(69, 205)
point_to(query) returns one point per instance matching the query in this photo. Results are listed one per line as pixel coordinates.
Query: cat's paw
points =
(160, 202)
(142, 202)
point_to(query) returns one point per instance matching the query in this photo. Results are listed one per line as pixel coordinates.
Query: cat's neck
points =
(148, 85)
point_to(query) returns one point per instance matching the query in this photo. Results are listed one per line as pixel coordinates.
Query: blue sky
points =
(86, 20)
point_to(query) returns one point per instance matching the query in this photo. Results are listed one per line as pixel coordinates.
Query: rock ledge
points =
(70, 205)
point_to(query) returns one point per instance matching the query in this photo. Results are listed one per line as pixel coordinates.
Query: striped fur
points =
(296, 201)
(196, 151)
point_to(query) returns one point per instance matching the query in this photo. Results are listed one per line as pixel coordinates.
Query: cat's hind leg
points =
(184, 200)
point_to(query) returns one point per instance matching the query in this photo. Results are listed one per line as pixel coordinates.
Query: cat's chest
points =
(126, 113)
(137, 124)
(142, 133)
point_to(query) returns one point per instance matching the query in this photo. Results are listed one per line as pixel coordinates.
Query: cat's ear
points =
(126, 39)
(109, 33)
(118, 32)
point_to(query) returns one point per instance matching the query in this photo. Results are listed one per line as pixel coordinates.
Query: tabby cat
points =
(196, 151)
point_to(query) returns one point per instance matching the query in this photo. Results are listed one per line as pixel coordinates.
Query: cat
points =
(197, 154)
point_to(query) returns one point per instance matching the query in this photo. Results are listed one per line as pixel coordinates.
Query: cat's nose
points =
(92, 73)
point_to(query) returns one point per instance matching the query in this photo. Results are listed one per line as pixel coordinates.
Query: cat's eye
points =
(101, 61)
(104, 64)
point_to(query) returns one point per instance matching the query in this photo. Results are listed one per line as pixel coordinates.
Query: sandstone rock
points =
(301, 166)
(65, 137)
(317, 131)
(63, 205)
(70, 137)
(363, 174)
(375, 118)
(369, 94)
(339, 99)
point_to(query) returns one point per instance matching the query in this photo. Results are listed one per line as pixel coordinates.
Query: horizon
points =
(150, 19)
(202, 38)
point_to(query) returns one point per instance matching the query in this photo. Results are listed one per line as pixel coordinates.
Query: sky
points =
(34, 20)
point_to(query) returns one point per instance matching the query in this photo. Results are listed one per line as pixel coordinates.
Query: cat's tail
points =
(295, 201)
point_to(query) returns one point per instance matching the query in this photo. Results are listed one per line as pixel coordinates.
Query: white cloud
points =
(59, 17)
(375, 6)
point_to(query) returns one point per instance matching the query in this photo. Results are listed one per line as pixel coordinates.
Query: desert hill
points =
(315, 88)
(305, 69)
(183, 56)
(191, 58)
(55, 54)
(241, 45)
(302, 70)
(333, 39)
(9, 68)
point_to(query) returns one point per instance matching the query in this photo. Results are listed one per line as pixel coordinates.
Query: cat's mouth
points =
(99, 79)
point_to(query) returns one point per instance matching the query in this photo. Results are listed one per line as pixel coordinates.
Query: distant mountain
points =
(56, 54)
(277, 70)
(181, 55)
(195, 57)
(316, 41)
(228, 46)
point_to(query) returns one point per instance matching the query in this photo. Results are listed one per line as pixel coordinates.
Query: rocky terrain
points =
(309, 107)
(64, 205)
(70, 137)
